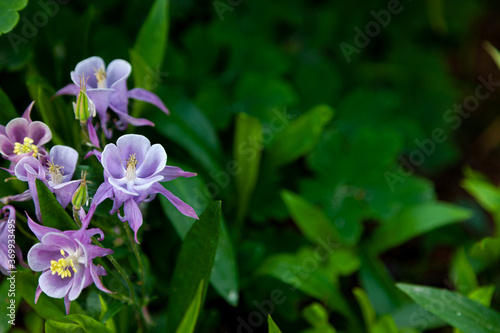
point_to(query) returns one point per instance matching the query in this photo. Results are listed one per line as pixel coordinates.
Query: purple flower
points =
(22, 137)
(9, 250)
(56, 171)
(65, 258)
(107, 87)
(132, 172)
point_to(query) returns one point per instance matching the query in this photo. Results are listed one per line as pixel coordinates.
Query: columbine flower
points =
(65, 258)
(9, 250)
(132, 172)
(22, 137)
(56, 171)
(107, 87)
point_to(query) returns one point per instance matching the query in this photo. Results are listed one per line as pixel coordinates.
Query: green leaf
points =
(300, 137)
(59, 118)
(52, 326)
(224, 277)
(189, 128)
(194, 264)
(456, 309)
(311, 220)
(188, 323)
(297, 271)
(53, 215)
(9, 15)
(462, 274)
(7, 296)
(247, 151)
(486, 194)
(317, 316)
(8, 111)
(483, 294)
(415, 221)
(495, 55)
(273, 328)
(366, 306)
(46, 307)
(89, 325)
(487, 250)
(151, 43)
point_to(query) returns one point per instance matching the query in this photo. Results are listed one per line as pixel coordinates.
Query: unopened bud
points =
(81, 196)
(84, 107)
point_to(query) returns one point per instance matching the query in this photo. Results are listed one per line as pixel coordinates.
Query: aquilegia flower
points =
(56, 171)
(65, 258)
(106, 87)
(9, 250)
(22, 137)
(132, 172)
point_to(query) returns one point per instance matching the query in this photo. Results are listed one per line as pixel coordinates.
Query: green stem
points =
(140, 264)
(76, 217)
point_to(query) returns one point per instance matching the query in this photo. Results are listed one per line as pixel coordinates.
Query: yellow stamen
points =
(62, 266)
(131, 165)
(26, 147)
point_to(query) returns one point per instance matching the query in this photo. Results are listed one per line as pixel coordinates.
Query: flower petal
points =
(130, 144)
(53, 285)
(172, 172)
(70, 89)
(113, 162)
(65, 157)
(183, 207)
(134, 216)
(154, 162)
(87, 69)
(126, 119)
(100, 97)
(17, 129)
(27, 113)
(147, 96)
(97, 280)
(60, 240)
(94, 139)
(39, 230)
(64, 192)
(40, 255)
(39, 133)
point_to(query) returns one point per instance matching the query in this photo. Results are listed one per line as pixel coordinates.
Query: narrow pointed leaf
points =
(457, 310)
(53, 214)
(194, 264)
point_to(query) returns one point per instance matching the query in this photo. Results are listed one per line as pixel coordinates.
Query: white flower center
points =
(100, 75)
(55, 173)
(131, 166)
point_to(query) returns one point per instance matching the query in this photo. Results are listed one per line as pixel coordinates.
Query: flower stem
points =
(76, 217)
(140, 264)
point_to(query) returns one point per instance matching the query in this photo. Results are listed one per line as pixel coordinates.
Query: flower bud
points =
(81, 195)
(84, 107)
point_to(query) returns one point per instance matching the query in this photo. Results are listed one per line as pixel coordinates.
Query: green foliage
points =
(9, 14)
(194, 265)
(459, 311)
(55, 216)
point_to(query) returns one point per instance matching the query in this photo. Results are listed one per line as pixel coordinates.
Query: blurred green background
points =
(309, 120)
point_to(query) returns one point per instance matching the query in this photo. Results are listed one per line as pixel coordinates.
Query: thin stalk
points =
(140, 264)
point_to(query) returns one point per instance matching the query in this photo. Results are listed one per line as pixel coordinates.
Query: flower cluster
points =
(132, 169)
